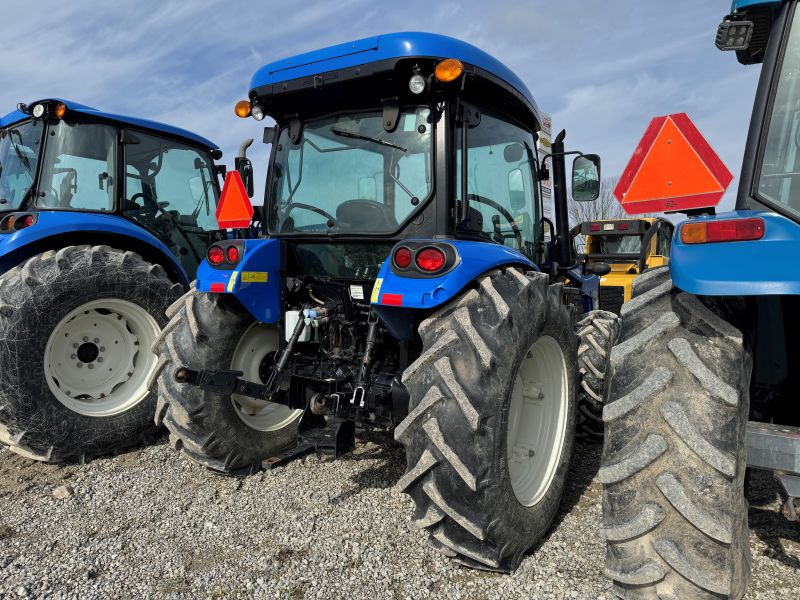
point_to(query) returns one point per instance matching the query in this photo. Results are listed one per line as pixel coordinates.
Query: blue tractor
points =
(704, 378)
(402, 283)
(103, 222)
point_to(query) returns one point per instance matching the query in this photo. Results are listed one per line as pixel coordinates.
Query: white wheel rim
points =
(537, 420)
(257, 342)
(98, 358)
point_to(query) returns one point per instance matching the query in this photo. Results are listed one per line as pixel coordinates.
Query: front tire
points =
(78, 324)
(673, 467)
(490, 432)
(226, 433)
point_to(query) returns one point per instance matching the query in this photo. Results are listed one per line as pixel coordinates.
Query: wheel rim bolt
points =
(99, 359)
(96, 340)
(85, 339)
(75, 345)
(80, 365)
(102, 348)
(91, 366)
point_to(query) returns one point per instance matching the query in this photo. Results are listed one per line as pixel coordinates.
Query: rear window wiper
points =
(366, 138)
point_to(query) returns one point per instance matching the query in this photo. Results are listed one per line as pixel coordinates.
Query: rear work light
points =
(402, 257)
(216, 255)
(430, 260)
(730, 230)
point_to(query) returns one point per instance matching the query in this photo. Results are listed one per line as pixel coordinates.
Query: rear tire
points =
(225, 433)
(597, 332)
(673, 466)
(488, 362)
(71, 401)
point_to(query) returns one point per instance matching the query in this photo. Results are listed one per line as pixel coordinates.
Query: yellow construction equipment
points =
(629, 247)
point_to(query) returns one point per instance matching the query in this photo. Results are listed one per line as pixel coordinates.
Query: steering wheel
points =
(150, 205)
(502, 210)
(310, 207)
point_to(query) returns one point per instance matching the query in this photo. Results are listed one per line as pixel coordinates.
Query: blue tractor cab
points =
(704, 377)
(401, 282)
(104, 220)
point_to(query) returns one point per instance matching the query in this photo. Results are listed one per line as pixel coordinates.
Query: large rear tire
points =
(492, 422)
(77, 326)
(229, 434)
(597, 332)
(673, 466)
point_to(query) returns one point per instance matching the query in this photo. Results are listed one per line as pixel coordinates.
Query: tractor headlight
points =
(38, 111)
(256, 112)
(416, 84)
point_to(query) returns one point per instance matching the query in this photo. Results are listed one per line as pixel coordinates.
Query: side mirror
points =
(586, 178)
(245, 168)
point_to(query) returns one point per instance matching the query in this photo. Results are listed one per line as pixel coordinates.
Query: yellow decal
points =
(232, 281)
(255, 276)
(376, 291)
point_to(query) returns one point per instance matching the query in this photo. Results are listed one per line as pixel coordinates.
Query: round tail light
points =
(402, 257)
(430, 259)
(232, 254)
(26, 221)
(216, 255)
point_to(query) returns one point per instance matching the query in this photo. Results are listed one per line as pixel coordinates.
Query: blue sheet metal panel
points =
(256, 281)
(16, 116)
(475, 258)
(756, 268)
(52, 223)
(744, 4)
(387, 46)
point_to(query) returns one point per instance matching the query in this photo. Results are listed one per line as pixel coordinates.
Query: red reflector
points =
(430, 259)
(402, 257)
(623, 226)
(216, 255)
(595, 227)
(218, 288)
(392, 299)
(232, 254)
(734, 230)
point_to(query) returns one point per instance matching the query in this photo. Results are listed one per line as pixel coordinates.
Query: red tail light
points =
(594, 227)
(402, 257)
(729, 230)
(232, 254)
(430, 259)
(623, 226)
(216, 255)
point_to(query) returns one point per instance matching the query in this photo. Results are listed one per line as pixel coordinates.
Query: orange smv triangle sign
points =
(672, 169)
(234, 209)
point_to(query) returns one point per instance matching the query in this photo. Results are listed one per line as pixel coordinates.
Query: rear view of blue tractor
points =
(402, 283)
(705, 378)
(103, 222)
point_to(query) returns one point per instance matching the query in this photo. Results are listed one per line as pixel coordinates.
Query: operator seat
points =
(365, 215)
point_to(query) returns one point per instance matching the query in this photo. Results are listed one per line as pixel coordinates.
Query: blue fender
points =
(20, 245)
(748, 268)
(474, 258)
(256, 280)
(398, 299)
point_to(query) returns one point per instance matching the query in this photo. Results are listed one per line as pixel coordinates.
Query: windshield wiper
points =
(366, 138)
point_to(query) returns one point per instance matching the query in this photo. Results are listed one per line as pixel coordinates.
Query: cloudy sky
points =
(603, 69)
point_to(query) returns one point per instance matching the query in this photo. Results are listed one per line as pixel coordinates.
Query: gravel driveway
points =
(150, 523)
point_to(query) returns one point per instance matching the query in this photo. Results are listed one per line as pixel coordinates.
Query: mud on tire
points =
(203, 333)
(597, 332)
(34, 298)
(455, 434)
(673, 467)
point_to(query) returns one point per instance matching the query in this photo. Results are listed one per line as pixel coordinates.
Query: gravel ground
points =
(149, 523)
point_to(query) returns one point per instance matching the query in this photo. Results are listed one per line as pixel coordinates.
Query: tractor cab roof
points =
(176, 132)
(378, 67)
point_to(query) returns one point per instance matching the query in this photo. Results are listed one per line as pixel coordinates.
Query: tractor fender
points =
(255, 281)
(396, 297)
(57, 229)
(743, 268)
